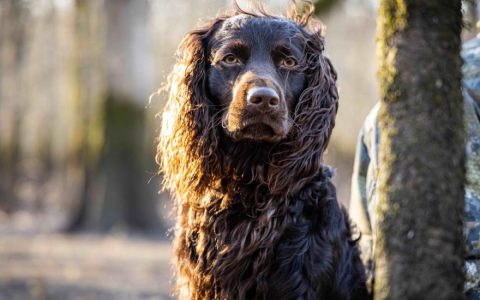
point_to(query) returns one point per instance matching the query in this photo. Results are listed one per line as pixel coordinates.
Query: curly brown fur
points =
(256, 219)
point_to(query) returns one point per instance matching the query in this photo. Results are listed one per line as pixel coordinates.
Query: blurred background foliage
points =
(78, 125)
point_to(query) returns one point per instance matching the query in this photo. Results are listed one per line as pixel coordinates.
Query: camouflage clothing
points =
(365, 172)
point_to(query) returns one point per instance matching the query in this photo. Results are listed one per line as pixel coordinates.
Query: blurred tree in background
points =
(13, 17)
(120, 169)
(83, 136)
(324, 6)
(470, 11)
(77, 132)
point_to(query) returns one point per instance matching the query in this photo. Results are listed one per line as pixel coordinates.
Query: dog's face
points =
(256, 76)
(262, 78)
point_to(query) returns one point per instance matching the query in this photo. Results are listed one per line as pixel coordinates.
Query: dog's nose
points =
(263, 96)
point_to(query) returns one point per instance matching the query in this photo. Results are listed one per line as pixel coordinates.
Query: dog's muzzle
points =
(258, 112)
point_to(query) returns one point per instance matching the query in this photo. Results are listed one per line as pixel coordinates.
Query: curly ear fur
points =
(188, 145)
(300, 158)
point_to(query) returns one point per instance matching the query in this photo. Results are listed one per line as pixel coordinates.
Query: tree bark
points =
(419, 243)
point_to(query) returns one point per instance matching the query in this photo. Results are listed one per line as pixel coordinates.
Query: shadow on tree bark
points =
(419, 243)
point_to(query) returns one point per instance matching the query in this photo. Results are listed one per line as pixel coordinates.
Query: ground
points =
(84, 267)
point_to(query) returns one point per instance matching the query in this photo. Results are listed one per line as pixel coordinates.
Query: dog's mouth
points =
(259, 129)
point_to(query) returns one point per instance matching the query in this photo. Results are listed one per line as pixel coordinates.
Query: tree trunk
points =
(129, 84)
(119, 195)
(86, 135)
(419, 244)
(13, 17)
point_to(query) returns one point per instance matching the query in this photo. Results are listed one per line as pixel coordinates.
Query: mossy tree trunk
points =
(419, 245)
(117, 194)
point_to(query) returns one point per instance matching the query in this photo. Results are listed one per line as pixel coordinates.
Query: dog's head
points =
(255, 77)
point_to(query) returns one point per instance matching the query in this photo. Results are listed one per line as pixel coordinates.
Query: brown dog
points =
(252, 104)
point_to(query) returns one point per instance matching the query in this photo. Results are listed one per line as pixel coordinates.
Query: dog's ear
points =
(319, 100)
(314, 118)
(187, 151)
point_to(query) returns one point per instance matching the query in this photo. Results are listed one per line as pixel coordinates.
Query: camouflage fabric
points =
(364, 179)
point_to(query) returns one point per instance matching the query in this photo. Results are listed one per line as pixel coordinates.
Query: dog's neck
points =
(247, 160)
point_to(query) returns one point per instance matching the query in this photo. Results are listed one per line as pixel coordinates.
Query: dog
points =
(252, 103)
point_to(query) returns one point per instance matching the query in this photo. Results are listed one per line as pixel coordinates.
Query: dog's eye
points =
(288, 62)
(230, 59)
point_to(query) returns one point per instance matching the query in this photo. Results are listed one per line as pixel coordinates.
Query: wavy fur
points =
(261, 226)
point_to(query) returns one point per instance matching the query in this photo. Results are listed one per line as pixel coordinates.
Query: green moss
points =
(124, 128)
(392, 20)
(325, 6)
(95, 135)
(8, 151)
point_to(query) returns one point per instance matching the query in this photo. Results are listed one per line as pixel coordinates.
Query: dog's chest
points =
(243, 251)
